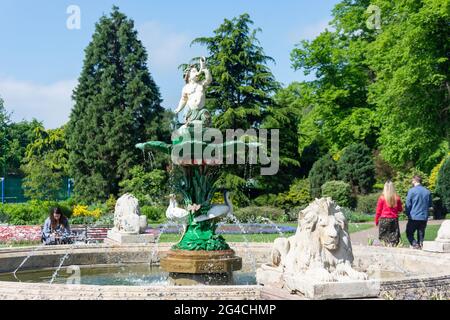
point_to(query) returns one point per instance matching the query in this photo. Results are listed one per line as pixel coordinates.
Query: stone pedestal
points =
(442, 241)
(316, 290)
(200, 267)
(127, 238)
(436, 246)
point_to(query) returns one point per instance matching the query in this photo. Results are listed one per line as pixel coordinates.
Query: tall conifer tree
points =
(117, 104)
(243, 84)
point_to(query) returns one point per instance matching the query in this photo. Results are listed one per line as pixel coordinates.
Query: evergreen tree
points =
(242, 89)
(443, 184)
(117, 104)
(243, 84)
(4, 121)
(323, 170)
(357, 168)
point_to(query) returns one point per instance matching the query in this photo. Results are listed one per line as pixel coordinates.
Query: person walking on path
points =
(388, 207)
(418, 202)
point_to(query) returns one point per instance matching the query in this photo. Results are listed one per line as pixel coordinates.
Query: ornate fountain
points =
(201, 255)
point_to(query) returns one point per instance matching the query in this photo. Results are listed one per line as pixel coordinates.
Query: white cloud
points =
(310, 31)
(50, 103)
(167, 48)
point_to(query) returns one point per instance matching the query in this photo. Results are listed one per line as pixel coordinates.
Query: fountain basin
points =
(200, 267)
(403, 273)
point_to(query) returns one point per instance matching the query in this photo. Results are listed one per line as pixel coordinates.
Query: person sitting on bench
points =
(56, 229)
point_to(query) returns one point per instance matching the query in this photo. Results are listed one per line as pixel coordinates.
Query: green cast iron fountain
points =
(201, 255)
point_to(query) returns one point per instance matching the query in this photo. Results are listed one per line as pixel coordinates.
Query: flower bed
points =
(13, 234)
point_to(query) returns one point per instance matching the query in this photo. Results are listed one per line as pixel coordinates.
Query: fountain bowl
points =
(200, 267)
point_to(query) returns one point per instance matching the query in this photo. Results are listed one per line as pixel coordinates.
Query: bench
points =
(89, 234)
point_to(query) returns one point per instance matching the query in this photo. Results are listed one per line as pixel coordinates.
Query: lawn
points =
(353, 227)
(430, 234)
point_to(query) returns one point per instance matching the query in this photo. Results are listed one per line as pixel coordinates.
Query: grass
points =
(430, 234)
(353, 227)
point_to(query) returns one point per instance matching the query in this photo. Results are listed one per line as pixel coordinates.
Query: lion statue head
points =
(321, 248)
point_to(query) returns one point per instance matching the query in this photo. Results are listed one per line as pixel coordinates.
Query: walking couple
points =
(418, 202)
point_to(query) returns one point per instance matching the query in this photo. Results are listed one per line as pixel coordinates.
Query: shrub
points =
(339, 191)
(105, 220)
(111, 203)
(434, 174)
(402, 181)
(254, 214)
(297, 196)
(357, 168)
(147, 187)
(355, 217)
(83, 211)
(265, 200)
(323, 170)
(367, 203)
(31, 212)
(443, 183)
(153, 214)
(292, 214)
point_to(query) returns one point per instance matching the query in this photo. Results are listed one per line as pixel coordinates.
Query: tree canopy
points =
(117, 105)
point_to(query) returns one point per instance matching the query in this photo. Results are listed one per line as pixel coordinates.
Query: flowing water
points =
(274, 225)
(32, 252)
(249, 255)
(118, 274)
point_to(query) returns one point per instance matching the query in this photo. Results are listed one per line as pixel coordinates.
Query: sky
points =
(41, 58)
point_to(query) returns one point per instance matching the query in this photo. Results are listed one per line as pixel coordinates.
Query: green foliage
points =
(32, 212)
(20, 135)
(411, 63)
(299, 195)
(285, 115)
(242, 83)
(443, 183)
(117, 105)
(111, 204)
(356, 217)
(356, 167)
(403, 181)
(4, 121)
(323, 170)
(255, 214)
(338, 111)
(339, 191)
(237, 187)
(153, 214)
(45, 164)
(387, 89)
(269, 199)
(148, 187)
(435, 173)
(367, 204)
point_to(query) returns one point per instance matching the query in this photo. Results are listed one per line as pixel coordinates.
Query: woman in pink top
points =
(388, 207)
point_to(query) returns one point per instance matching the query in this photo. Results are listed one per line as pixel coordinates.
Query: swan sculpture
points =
(217, 210)
(175, 213)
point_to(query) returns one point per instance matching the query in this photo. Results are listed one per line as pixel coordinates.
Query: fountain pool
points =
(129, 272)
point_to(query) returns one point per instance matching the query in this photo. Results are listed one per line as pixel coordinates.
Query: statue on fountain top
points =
(193, 95)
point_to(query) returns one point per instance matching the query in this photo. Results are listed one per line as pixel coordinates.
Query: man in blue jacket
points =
(418, 202)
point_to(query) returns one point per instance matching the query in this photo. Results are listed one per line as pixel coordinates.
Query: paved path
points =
(362, 237)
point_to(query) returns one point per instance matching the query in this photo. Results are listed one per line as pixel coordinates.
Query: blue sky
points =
(41, 59)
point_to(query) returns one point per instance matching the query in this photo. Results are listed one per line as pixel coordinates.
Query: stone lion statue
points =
(127, 216)
(321, 249)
